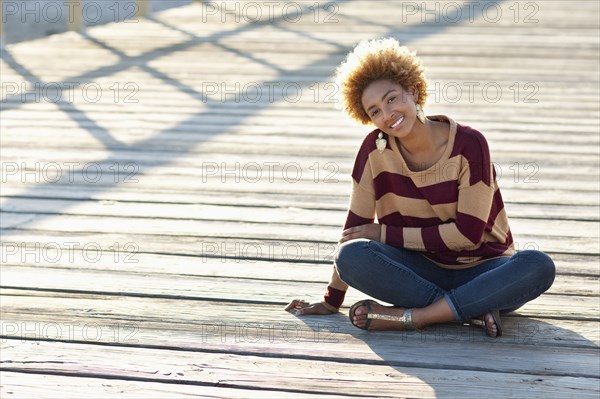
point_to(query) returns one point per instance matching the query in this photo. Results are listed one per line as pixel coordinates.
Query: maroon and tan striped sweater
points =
(452, 212)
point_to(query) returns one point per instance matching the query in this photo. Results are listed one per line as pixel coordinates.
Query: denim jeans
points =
(408, 279)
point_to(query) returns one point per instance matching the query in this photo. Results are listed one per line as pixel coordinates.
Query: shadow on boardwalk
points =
(213, 106)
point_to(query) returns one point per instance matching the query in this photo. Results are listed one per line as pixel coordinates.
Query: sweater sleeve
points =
(361, 210)
(476, 187)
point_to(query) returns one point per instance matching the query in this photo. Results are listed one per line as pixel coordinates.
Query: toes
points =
(359, 318)
(360, 321)
(490, 325)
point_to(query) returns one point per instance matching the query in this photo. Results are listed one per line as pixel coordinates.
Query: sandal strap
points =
(405, 319)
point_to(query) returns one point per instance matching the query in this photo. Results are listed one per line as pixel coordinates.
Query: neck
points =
(420, 138)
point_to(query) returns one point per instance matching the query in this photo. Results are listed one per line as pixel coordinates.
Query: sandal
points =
(497, 320)
(405, 319)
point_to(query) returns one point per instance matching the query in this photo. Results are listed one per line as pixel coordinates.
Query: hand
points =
(371, 231)
(300, 307)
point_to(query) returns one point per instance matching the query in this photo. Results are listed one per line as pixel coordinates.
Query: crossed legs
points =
(408, 279)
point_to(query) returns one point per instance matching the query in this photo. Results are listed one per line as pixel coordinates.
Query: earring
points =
(420, 114)
(380, 142)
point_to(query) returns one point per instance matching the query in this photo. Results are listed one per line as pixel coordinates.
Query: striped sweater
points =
(452, 212)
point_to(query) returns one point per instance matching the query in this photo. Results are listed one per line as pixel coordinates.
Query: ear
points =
(414, 93)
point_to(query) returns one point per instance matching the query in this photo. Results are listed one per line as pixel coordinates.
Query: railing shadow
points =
(142, 61)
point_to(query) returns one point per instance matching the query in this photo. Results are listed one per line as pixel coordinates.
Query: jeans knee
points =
(347, 256)
(541, 263)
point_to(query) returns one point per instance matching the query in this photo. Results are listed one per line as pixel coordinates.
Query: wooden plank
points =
(55, 315)
(118, 197)
(178, 128)
(273, 374)
(93, 245)
(147, 156)
(77, 203)
(292, 181)
(287, 227)
(114, 260)
(220, 145)
(326, 116)
(28, 385)
(315, 195)
(49, 166)
(257, 214)
(529, 234)
(261, 291)
(441, 67)
(18, 266)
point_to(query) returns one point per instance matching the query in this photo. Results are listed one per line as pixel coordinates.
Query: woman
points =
(441, 249)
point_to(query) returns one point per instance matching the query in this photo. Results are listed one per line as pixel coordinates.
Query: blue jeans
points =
(408, 279)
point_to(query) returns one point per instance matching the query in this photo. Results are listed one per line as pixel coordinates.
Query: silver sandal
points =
(405, 319)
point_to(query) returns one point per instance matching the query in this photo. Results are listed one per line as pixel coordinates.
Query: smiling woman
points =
(441, 249)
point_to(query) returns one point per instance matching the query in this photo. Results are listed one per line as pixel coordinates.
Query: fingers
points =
(349, 237)
(296, 304)
(370, 231)
(308, 309)
(362, 231)
(351, 230)
(351, 234)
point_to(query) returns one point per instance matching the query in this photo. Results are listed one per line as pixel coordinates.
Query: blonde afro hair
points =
(374, 60)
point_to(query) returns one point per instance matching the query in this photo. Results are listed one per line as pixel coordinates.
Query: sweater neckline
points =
(445, 155)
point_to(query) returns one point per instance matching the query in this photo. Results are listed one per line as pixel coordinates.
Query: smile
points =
(398, 122)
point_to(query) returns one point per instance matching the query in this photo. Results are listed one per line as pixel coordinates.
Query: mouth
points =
(397, 123)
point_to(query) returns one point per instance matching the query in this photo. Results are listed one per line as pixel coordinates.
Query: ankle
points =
(417, 318)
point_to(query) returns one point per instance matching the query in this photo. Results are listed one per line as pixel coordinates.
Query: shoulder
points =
(473, 147)
(471, 144)
(466, 136)
(362, 158)
(467, 141)
(368, 145)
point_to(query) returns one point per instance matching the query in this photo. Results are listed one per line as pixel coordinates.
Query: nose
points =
(388, 114)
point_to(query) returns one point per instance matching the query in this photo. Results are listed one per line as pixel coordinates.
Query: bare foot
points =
(359, 318)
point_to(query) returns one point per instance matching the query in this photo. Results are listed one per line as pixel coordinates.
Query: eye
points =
(391, 99)
(374, 113)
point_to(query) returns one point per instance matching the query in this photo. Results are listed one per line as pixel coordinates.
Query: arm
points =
(361, 212)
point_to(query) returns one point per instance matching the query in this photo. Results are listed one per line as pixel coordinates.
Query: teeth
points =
(399, 121)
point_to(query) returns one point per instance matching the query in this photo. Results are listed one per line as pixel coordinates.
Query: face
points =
(391, 108)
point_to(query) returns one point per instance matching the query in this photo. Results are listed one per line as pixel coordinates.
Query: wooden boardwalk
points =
(169, 185)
